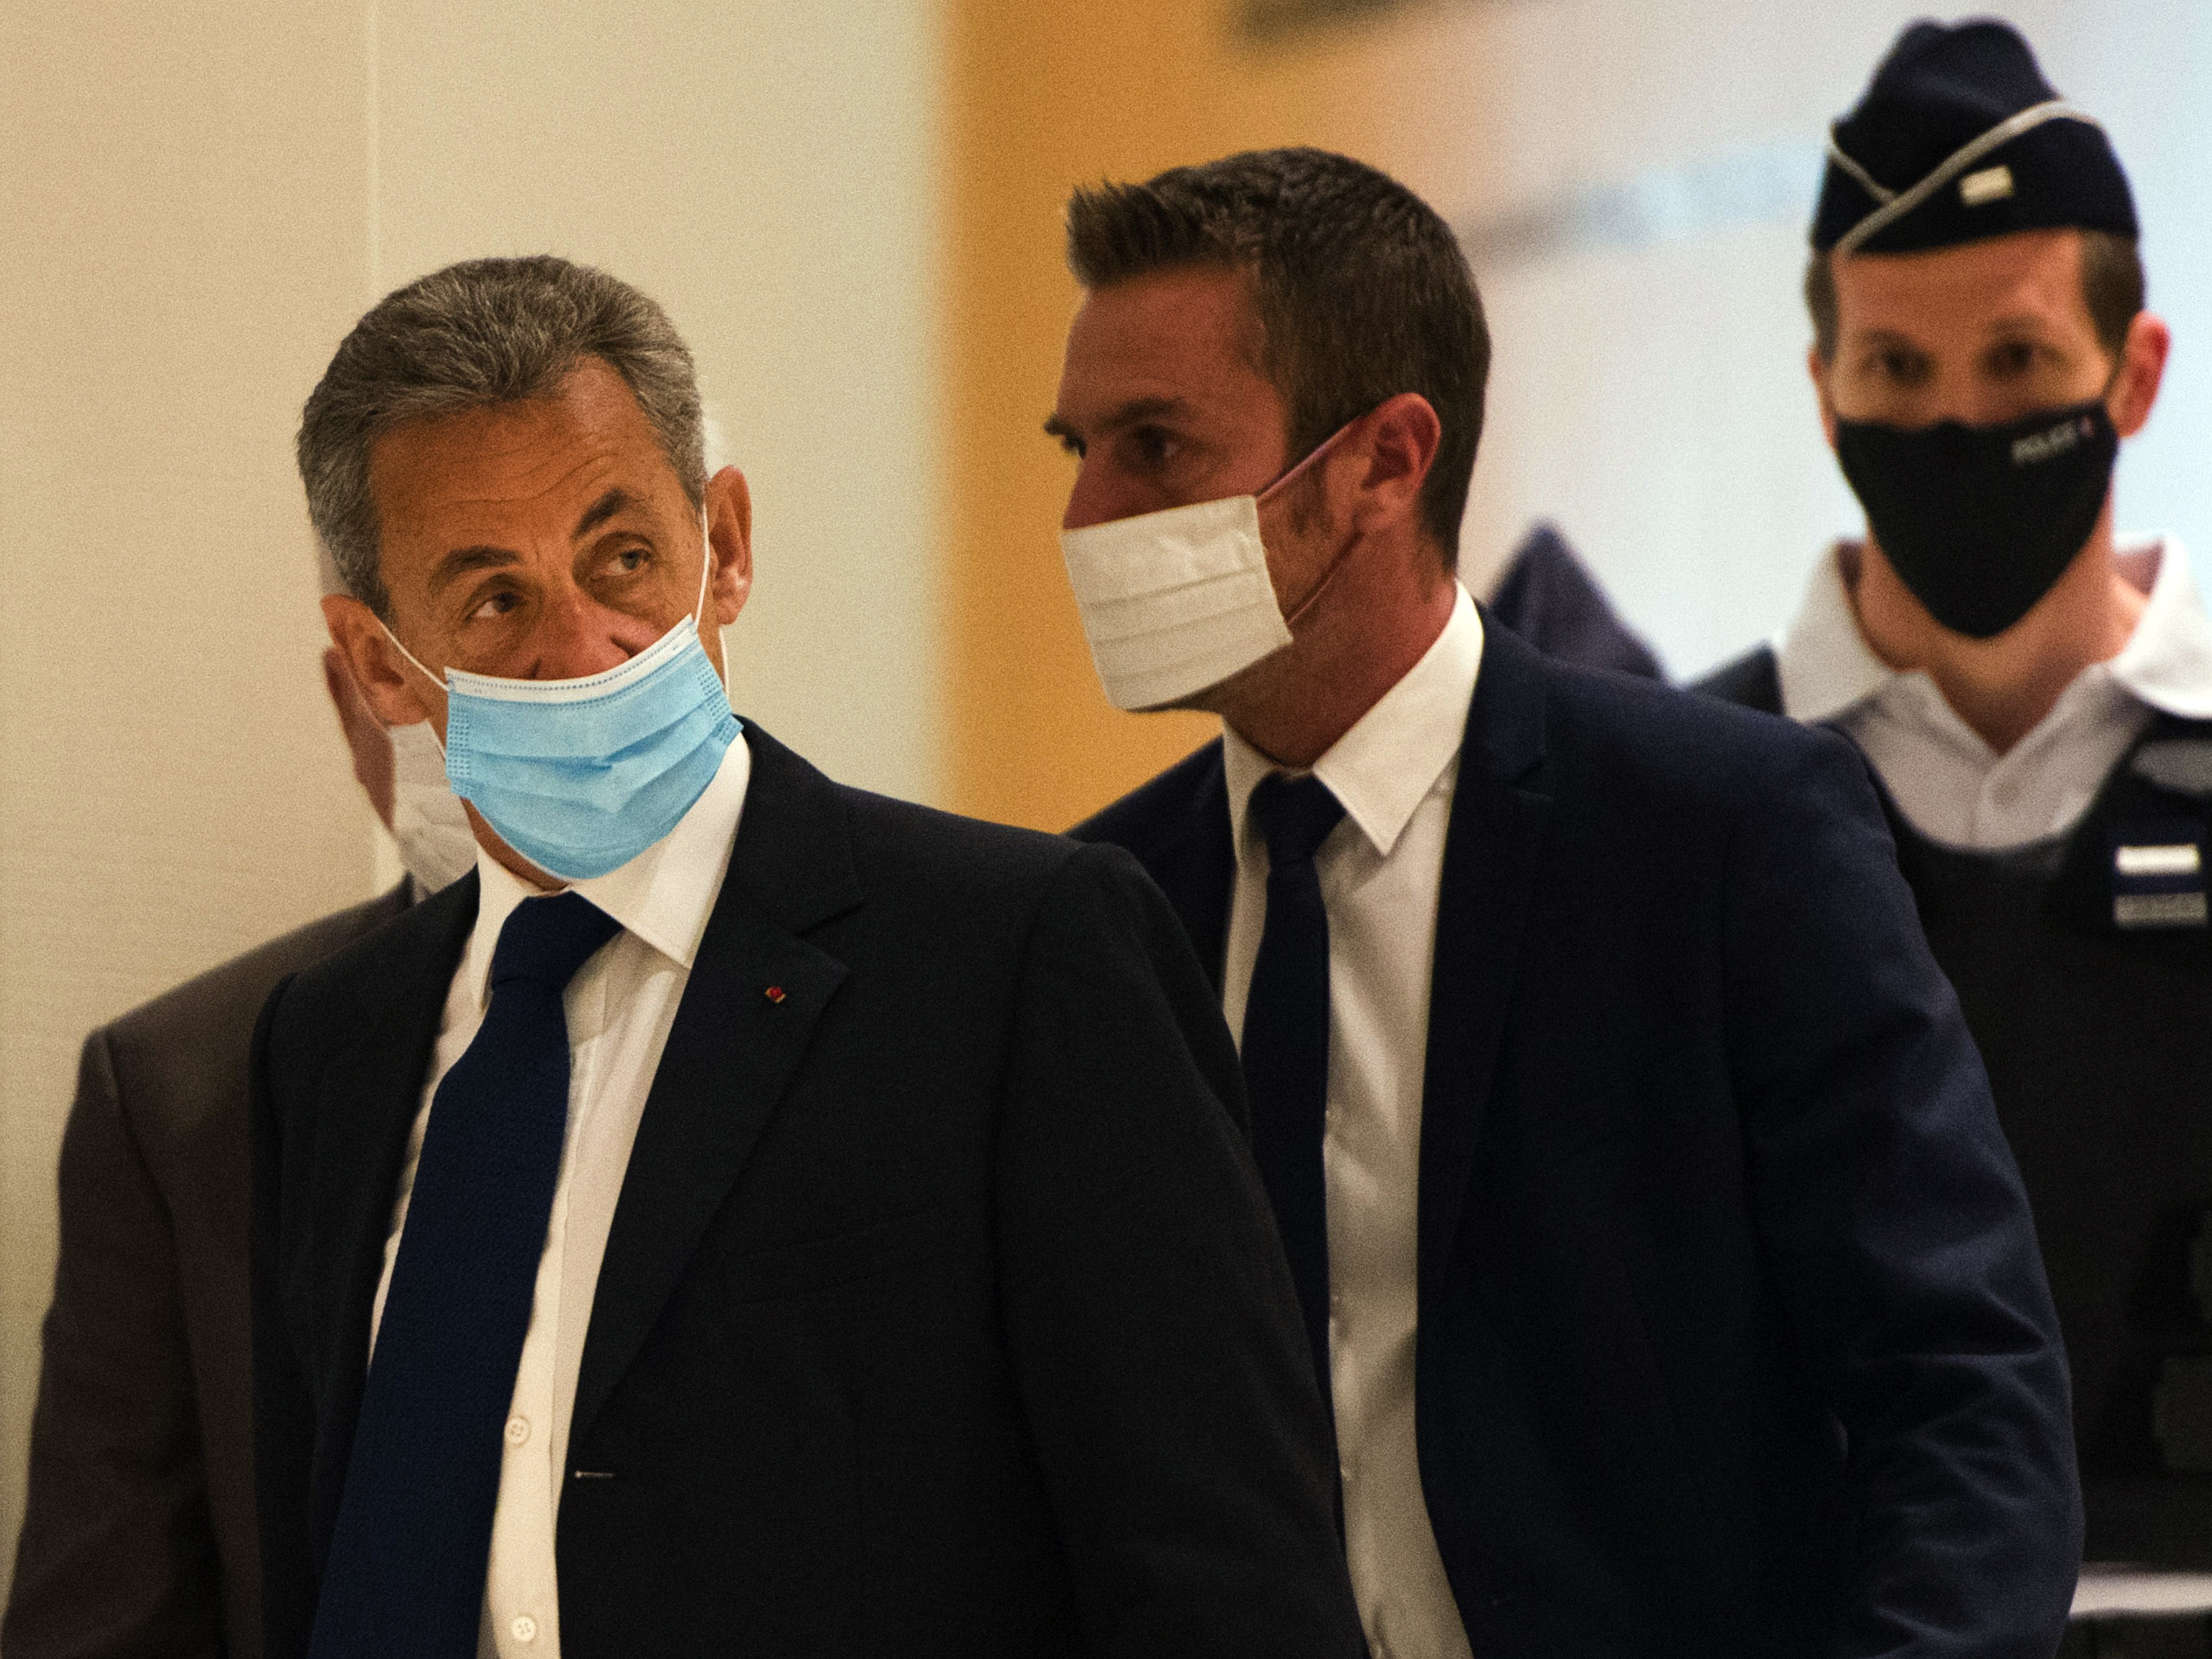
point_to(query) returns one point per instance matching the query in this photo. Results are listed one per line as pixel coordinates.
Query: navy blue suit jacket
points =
(1734, 1337)
(941, 1313)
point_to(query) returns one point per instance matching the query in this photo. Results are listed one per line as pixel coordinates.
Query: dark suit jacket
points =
(138, 1537)
(1733, 1336)
(1549, 597)
(942, 1312)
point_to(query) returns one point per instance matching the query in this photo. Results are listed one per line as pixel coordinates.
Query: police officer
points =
(2035, 696)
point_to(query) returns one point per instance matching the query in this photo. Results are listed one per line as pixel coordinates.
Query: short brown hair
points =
(1361, 291)
(475, 335)
(2112, 284)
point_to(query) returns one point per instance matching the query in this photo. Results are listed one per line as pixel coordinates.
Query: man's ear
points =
(394, 690)
(1821, 368)
(1400, 446)
(365, 736)
(730, 533)
(2142, 369)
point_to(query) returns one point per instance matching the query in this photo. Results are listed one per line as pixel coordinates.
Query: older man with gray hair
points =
(744, 1211)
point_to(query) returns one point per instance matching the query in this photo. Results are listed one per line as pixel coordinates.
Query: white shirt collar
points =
(1823, 662)
(664, 895)
(1386, 764)
(1826, 668)
(2167, 661)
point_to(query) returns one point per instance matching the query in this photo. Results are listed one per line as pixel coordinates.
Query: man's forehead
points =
(1167, 335)
(2030, 274)
(580, 440)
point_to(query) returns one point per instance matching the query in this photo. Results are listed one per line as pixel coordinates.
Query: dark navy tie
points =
(1285, 1045)
(405, 1574)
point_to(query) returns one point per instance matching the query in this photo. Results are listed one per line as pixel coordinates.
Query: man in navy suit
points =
(732, 1218)
(1669, 1279)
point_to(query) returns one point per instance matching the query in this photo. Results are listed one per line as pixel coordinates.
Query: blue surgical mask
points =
(579, 776)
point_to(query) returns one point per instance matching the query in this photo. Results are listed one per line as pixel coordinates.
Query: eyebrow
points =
(1129, 413)
(2015, 323)
(615, 500)
(465, 561)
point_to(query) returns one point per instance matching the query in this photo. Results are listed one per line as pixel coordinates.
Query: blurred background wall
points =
(852, 209)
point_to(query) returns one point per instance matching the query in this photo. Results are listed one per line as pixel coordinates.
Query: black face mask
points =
(1980, 521)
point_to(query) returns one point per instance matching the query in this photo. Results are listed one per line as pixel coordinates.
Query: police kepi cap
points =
(1959, 137)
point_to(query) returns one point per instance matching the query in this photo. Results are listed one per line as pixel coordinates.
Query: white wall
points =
(767, 172)
(201, 198)
(1649, 393)
(173, 788)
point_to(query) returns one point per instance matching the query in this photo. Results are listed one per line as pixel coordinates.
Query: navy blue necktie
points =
(1285, 1044)
(405, 1574)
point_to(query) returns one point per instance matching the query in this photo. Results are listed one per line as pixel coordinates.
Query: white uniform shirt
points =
(1950, 785)
(1381, 871)
(1954, 788)
(620, 1007)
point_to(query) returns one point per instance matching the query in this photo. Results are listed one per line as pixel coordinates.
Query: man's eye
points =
(1899, 369)
(494, 605)
(1154, 446)
(2013, 357)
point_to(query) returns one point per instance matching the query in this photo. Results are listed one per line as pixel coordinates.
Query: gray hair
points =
(475, 335)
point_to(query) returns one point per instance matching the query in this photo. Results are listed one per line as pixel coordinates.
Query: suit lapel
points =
(374, 1093)
(1197, 871)
(755, 992)
(1500, 811)
(1177, 826)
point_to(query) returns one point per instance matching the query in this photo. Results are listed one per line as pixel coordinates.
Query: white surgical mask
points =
(1176, 601)
(436, 844)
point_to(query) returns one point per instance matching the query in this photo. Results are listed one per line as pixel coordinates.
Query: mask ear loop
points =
(418, 663)
(705, 566)
(1299, 611)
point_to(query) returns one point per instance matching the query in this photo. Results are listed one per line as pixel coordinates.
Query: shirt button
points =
(518, 1431)
(525, 1628)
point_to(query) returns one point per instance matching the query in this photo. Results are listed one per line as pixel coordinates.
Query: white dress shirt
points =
(1954, 788)
(619, 1006)
(1381, 871)
(1950, 785)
